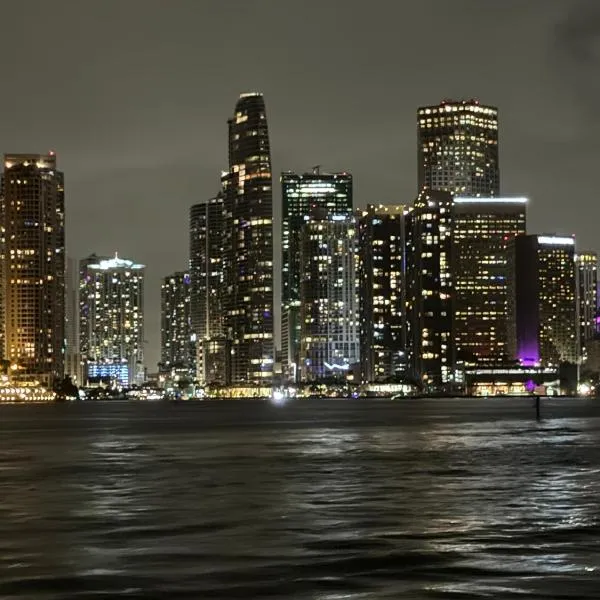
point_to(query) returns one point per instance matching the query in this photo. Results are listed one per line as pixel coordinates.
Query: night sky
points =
(134, 96)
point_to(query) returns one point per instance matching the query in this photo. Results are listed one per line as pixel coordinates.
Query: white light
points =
(338, 218)
(334, 367)
(116, 263)
(517, 200)
(555, 240)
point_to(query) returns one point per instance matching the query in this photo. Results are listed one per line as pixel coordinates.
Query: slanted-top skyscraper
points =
(248, 244)
(33, 266)
(458, 148)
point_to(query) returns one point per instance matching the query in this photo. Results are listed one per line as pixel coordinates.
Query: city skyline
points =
(124, 153)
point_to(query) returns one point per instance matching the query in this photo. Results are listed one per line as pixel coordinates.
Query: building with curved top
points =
(111, 319)
(247, 291)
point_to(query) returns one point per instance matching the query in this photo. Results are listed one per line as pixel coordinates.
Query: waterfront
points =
(325, 499)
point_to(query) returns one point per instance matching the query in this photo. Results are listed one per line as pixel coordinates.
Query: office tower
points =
(458, 148)
(542, 300)
(428, 230)
(381, 293)
(206, 272)
(33, 267)
(176, 348)
(111, 326)
(586, 265)
(248, 244)
(329, 328)
(482, 229)
(72, 358)
(300, 194)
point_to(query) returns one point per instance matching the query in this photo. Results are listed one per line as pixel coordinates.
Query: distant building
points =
(72, 358)
(542, 301)
(382, 293)
(33, 267)
(111, 305)
(177, 348)
(482, 229)
(301, 194)
(329, 328)
(429, 290)
(248, 244)
(586, 272)
(458, 148)
(206, 273)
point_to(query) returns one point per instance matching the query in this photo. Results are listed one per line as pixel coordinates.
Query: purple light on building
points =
(529, 354)
(530, 385)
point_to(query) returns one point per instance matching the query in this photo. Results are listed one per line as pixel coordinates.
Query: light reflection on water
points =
(324, 500)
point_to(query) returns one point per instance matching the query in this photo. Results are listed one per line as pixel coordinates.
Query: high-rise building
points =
(207, 277)
(111, 330)
(329, 327)
(176, 348)
(72, 358)
(458, 148)
(428, 230)
(482, 229)
(206, 268)
(542, 318)
(382, 293)
(248, 244)
(33, 266)
(302, 193)
(587, 298)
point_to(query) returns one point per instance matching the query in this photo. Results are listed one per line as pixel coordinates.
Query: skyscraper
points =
(207, 277)
(329, 328)
(482, 229)
(206, 266)
(111, 331)
(33, 266)
(248, 244)
(542, 300)
(72, 358)
(587, 298)
(176, 348)
(429, 290)
(382, 292)
(300, 195)
(458, 148)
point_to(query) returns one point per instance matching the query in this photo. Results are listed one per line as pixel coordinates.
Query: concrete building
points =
(33, 267)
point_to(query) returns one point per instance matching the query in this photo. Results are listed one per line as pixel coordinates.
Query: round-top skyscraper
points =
(248, 244)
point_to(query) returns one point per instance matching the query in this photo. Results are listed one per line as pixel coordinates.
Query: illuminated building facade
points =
(247, 305)
(177, 348)
(482, 229)
(458, 148)
(33, 266)
(329, 328)
(586, 270)
(111, 313)
(428, 230)
(381, 293)
(300, 194)
(206, 272)
(542, 318)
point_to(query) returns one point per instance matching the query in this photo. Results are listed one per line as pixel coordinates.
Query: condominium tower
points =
(33, 266)
(247, 306)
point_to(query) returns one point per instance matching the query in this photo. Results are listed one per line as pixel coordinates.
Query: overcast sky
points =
(134, 95)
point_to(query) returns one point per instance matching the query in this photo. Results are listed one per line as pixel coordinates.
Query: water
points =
(331, 500)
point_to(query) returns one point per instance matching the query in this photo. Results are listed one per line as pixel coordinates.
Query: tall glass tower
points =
(458, 148)
(248, 244)
(301, 195)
